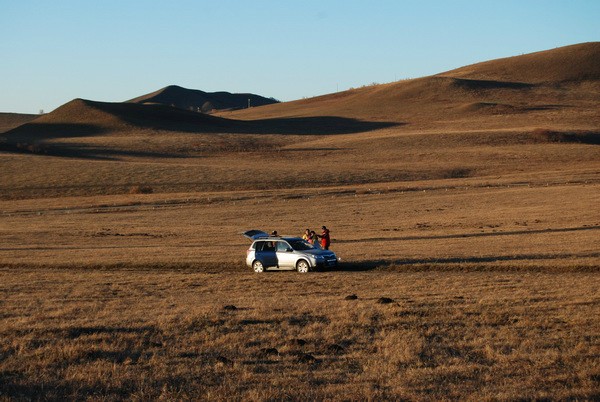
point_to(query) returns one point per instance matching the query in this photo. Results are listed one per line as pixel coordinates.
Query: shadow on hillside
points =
(472, 84)
(161, 117)
(189, 122)
(315, 126)
(31, 137)
(77, 150)
(135, 117)
(45, 131)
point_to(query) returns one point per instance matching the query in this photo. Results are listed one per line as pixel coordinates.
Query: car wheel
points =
(258, 267)
(302, 266)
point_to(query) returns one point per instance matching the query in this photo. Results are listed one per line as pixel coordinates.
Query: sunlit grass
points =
(167, 334)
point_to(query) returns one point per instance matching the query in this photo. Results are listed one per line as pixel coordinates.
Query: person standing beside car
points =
(325, 239)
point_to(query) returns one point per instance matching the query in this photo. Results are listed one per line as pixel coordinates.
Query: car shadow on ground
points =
(433, 263)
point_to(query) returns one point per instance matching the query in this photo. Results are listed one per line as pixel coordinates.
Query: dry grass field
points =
(183, 334)
(437, 223)
(469, 199)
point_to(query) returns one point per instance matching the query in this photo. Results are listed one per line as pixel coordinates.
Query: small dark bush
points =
(385, 300)
(141, 190)
(458, 173)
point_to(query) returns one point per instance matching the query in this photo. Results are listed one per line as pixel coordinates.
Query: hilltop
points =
(108, 116)
(553, 80)
(196, 100)
(575, 63)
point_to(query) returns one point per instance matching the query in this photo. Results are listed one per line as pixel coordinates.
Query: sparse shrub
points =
(459, 173)
(372, 84)
(141, 190)
(385, 300)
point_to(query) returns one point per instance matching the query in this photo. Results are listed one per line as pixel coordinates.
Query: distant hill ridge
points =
(579, 62)
(84, 117)
(196, 100)
(115, 113)
(510, 85)
(555, 80)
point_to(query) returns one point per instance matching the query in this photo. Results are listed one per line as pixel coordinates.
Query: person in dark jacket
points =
(325, 239)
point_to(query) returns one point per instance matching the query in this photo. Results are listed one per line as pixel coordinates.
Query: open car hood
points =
(255, 234)
(318, 251)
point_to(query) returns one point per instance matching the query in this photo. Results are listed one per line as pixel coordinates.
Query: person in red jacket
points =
(325, 239)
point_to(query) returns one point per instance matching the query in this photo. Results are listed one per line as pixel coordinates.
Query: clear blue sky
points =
(114, 50)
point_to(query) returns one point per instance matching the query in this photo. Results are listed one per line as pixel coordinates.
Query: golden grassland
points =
(493, 281)
(287, 162)
(492, 269)
(486, 242)
(178, 334)
(481, 222)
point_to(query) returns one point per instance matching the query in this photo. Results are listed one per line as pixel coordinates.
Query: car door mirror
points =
(289, 250)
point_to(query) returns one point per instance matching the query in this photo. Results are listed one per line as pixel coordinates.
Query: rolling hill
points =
(555, 80)
(119, 117)
(196, 100)
(82, 118)
(89, 128)
(85, 128)
(557, 90)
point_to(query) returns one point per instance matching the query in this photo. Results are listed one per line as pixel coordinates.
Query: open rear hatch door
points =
(255, 234)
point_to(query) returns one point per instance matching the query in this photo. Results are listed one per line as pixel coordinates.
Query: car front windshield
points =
(300, 245)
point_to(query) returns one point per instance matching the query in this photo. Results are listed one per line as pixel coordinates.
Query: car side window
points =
(264, 246)
(282, 246)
